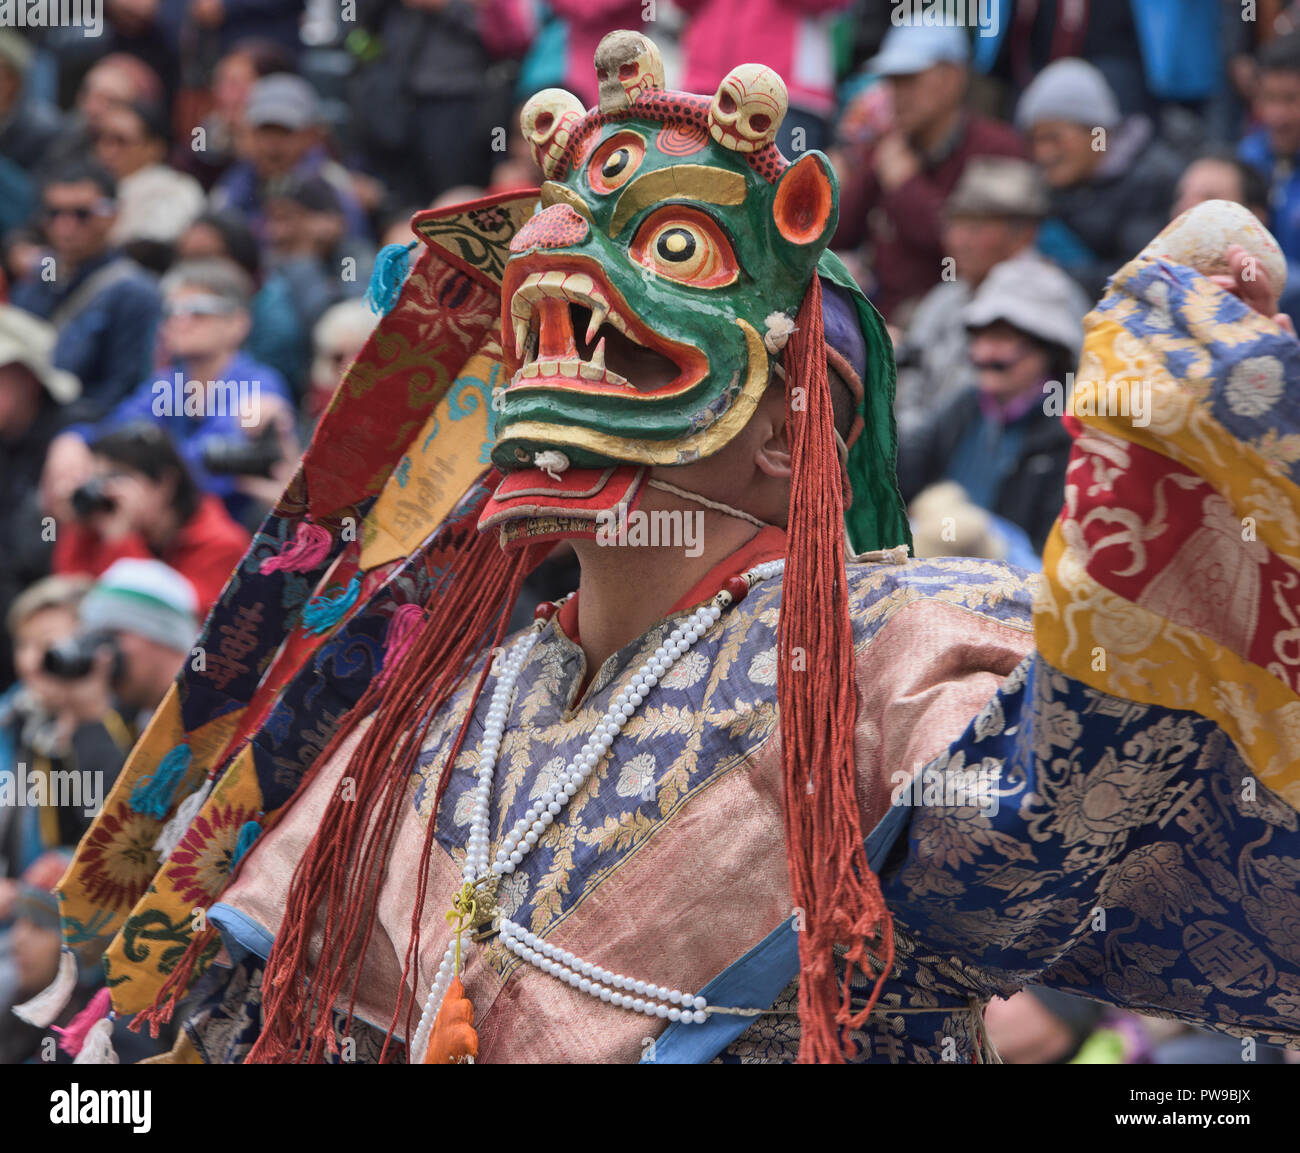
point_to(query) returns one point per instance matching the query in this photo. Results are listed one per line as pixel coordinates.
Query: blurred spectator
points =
(1001, 441)
(277, 336)
(1274, 148)
(1148, 50)
(116, 79)
(893, 190)
(154, 201)
(1111, 179)
(945, 523)
(139, 501)
(33, 395)
(1041, 1026)
(233, 78)
(1186, 1045)
(102, 304)
(517, 169)
(229, 416)
(152, 615)
(273, 21)
(90, 684)
(396, 227)
(792, 36)
(427, 104)
(306, 242)
(284, 138)
(44, 617)
(992, 216)
(338, 336)
(1220, 176)
(27, 128)
(97, 680)
(35, 944)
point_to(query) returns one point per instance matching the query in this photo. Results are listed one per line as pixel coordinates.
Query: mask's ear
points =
(806, 208)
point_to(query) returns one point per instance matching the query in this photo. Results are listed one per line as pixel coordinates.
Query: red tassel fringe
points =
(337, 879)
(830, 879)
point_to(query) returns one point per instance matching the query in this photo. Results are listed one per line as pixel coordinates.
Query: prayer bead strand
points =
(615, 989)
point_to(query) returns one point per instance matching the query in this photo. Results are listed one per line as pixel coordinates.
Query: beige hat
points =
(29, 341)
(999, 186)
(15, 51)
(946, 523)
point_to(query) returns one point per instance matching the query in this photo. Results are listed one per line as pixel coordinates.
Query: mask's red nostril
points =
(556, 227)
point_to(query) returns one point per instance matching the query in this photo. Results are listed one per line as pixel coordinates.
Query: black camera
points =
(239, 456)
(90, 498)
(73, 658)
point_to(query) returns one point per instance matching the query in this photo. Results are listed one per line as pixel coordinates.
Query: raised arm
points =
(1133, 833)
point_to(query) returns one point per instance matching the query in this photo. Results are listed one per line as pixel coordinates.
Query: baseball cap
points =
(284, 100)
(911, 48)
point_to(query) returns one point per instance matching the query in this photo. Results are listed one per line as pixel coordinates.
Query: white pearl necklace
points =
(614, 988)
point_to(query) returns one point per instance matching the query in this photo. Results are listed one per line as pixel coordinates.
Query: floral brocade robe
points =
(1067, 838)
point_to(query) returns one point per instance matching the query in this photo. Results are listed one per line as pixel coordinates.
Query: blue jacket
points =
(239, 188)
(108, 344)
(1179, 40)
(154, 402)
(1284, 190)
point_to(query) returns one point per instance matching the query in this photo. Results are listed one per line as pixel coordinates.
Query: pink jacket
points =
(792, 36)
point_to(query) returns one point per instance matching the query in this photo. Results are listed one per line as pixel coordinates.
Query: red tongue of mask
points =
(530, 506)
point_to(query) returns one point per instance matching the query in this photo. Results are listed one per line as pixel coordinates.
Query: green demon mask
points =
(642, 304)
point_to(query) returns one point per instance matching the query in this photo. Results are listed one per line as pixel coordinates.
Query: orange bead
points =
(453, 1038)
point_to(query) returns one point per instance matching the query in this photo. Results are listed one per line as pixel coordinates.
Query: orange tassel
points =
(453, 1040)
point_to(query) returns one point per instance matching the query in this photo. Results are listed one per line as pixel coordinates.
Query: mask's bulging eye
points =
(686, 245)
(615, 162)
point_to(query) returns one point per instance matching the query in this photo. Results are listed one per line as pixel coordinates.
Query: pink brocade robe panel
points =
(669, 864)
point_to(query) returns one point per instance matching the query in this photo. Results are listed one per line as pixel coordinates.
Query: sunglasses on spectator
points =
(199, 306)
(1005, 365)
(82, 212)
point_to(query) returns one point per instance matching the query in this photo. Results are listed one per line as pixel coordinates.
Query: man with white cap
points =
(1001, 440)
(150, 613)
(1111, 178)
(33, 394)
(893, 193)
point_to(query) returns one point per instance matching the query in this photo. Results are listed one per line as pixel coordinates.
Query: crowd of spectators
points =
(201, 194)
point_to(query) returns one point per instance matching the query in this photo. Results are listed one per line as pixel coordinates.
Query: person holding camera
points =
(42, 616)
(230, 417)
(95, 665)
(139, 500)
